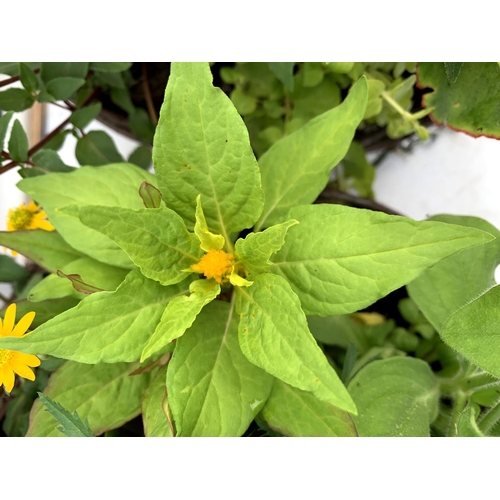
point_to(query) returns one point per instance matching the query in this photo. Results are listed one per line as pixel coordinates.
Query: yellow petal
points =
(23, 325)
(44, 224)
(22, 370)
(1, 327)
(8, 378)
(27, 359)
(9, 320)
(32, 206)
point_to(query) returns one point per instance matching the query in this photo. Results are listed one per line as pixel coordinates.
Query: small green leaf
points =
(155, 239)
(82, 117)
(151, 196)
(244, 103)
(141, 157)
(97, 148)
(284, 72)
(340, 259)
(474, 331)
(28, 78)
(155, 407)
(78, 284)
(121, 97)
(12, 68)
(297, 413)
(395, 397)
(4, 126)
(208, 240)
(127, 318)
(71, 424)
(53, 70)
(455, 281)
(179, 315)
(88, 390)
(15, 100)
(256, 249)
(274, 336)
(18, 142)
(202, 147)
(64, 87)
(213, 389)
(110, 67)
(51, 161)
(470, 104)
(296, 169)
(10, 271)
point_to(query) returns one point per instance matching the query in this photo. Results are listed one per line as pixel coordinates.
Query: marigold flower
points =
(215, 264)
(12, 361)
(26, 218)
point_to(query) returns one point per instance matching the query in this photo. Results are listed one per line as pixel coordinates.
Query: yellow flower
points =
(215, 264)
(27, 217)
(12, 361)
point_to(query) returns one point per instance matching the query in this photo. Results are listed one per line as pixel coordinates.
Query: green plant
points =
(194, 296)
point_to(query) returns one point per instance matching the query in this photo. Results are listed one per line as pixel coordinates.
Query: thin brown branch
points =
(330, 195)
(5, 155)
(147, 95)
(14, 79)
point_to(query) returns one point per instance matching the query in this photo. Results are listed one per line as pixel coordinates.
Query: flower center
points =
(215, 264)
(20, 218)
(5, 356)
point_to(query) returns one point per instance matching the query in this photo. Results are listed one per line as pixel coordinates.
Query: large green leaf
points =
(155, 239)
(201, 146)
(46, 248)
(63, 87)
(460, 278)
(395, 397)
(44, 310)
(106, 326)
(274, 335)
(256, 249)
(91, 271)
(213, 389)
(113, 185)
(340, 259)
(297, 413)
(474, 331)
(18, 142)
(180, 314)
(154, 407)
(471, 103)
(296, 169)
(88, 390)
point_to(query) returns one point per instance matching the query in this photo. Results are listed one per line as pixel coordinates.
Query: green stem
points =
(460, 401)
(397, 107)
(490, 419)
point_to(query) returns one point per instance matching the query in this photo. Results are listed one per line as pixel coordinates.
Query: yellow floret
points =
(215, 264)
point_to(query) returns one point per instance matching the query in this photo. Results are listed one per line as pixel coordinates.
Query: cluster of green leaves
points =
(147, 334)
(76, 87)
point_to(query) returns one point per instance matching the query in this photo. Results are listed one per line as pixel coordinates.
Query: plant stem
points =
(147, 95)
(460, 401)
(406, 116)
(490, 419)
